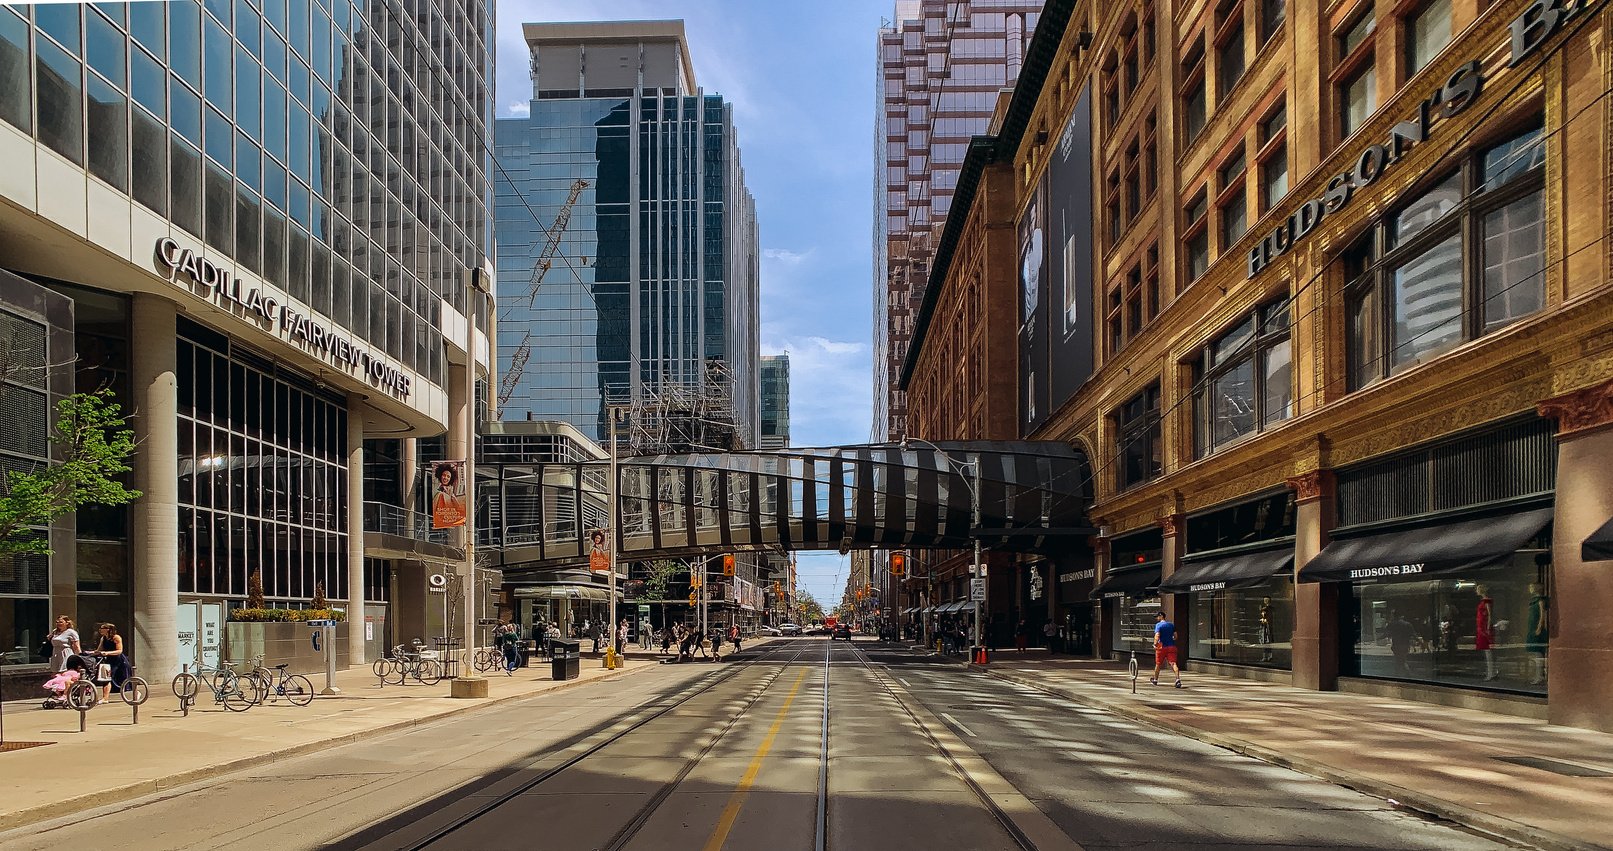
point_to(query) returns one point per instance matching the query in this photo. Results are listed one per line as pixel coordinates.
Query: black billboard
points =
(1055, 273)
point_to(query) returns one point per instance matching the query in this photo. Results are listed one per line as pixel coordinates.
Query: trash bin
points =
(567, 661)
(528, 650)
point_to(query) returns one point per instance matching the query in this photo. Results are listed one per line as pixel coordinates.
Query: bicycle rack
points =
(186, 700)
(448, 656)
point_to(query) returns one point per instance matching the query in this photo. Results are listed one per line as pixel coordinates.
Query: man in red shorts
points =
(1164, 648)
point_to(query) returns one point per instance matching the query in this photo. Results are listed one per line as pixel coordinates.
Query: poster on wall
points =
(1070, 255)
(448, 494)
(1033, 313)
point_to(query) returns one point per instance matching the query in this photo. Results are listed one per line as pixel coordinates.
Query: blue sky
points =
(801, 77)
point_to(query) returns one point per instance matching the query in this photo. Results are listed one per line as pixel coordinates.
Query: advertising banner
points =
(1056, 275)
(448, 494)
(599, 551)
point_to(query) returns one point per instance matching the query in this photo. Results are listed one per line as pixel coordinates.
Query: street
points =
(920, 754)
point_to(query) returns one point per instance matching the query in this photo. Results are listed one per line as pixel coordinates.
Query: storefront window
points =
(1480, 629)
(24, 623)
(1244, 626)
(1133, 630)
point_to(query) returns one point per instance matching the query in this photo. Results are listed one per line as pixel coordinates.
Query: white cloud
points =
(830, 397)
(785, 255)
(519, 109)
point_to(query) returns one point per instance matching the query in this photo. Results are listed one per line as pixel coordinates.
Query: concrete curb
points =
(1502, 827)
(68, 806)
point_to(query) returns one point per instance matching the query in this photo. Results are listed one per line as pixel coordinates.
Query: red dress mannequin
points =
(1484, 639)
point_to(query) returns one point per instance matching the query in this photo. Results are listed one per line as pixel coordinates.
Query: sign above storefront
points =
(1539, 21)
(213, 283)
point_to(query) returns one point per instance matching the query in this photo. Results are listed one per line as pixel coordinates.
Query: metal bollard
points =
(184, 702)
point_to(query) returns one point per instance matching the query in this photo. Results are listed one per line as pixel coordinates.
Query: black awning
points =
(1239, 571)
(1599, 546)
(1131, 582)
(1411, 553)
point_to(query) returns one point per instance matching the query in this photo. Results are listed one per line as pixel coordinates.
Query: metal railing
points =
(396, 520)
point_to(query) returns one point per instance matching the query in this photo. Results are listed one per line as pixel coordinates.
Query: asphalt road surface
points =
(797, 745)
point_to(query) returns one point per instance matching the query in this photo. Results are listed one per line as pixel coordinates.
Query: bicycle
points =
(488, 659)
(402, 664)
(275, 682)
(226, 685)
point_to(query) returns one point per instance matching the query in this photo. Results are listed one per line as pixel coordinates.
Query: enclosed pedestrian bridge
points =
(537, 518)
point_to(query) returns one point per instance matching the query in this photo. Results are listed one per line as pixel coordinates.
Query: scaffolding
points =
(678, 417)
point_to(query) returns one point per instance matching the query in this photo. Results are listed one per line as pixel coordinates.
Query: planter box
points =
(291, 643)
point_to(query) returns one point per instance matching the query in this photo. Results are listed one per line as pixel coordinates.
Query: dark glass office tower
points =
(626, 236)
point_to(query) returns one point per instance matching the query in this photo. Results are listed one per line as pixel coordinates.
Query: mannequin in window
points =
(1265, 629)
(1538, 633)
(1484, 631)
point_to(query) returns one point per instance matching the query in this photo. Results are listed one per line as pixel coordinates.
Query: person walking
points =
(733, 635)
(667, 637)
(109, 646)
(593, 633)
(621, 638)
(645, 636)
(508, 642)
(1050, 632)
(1164, 648)
(1022, 635)
(63, 644)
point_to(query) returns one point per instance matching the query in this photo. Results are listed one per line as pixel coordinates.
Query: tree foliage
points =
(92, 444)
(808, 605)
(658, 576)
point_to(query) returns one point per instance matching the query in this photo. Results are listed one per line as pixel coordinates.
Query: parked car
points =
(764, 629)
(842, 631)
(789, 629)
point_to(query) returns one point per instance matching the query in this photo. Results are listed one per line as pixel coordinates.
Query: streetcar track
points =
(997, 812)
(629, 725)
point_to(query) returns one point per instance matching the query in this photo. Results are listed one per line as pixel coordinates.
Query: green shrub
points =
(285, 615)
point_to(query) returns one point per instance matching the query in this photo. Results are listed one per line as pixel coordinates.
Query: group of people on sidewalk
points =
(70, 662)
(691, 641)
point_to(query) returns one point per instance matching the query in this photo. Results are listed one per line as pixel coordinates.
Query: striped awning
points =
(564, 592)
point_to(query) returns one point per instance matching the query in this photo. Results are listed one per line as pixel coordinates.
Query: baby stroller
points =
(76, 687)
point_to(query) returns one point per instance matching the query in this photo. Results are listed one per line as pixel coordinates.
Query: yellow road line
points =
(730, 813)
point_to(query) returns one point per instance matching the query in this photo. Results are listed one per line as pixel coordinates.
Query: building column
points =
(1173, 530)
(355, 530)
(461, 427)
(1579, 678)
(1315, 653)
(156, 514)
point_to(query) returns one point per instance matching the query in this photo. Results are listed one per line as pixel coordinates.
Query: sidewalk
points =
(115, 760)
(1441, 760)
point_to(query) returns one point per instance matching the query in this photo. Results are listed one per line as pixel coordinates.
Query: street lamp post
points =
(615, 539)
(978, 570)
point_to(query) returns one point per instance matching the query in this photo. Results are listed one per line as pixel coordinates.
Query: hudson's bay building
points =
(628, 259)
(1324, 291)
(259, 222)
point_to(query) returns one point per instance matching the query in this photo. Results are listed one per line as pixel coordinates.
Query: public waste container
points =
(567, 661)
(528, 650)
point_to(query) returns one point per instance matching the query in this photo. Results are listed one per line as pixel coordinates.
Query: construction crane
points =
(523, 353)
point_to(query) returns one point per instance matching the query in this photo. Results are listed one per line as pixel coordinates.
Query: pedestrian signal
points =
(898, 564)
(727, 565)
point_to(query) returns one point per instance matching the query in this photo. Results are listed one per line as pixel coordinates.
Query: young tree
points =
(254, 590)
(92, 443)
(319, 602)
(808, 605)
(658, 579)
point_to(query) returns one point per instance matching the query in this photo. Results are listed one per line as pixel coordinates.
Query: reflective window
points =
(103, 48)
(60, 21)
(186, 111)
(1465, 256)
(15, 105)
(1427, 33)
(149, 145)
(185, 185)
(1242, 380)
(148, 25)
(248, 95)
(59, 99)
(185, 40)
(1137, 426)
(220, 138)
(1244, 626)
(247, 25)
(108, 133)
(148, 83)
(220, 90)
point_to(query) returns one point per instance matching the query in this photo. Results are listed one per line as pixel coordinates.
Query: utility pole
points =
(613, 516)
(980, 569)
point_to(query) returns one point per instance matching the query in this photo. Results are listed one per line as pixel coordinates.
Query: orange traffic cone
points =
(980, 655)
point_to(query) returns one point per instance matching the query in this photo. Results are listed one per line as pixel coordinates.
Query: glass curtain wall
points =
(25, 616)
(262, 476)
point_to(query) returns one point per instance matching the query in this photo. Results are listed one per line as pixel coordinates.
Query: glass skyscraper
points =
(269, 215)
(942, 65)
(629, 175)
(775, 402)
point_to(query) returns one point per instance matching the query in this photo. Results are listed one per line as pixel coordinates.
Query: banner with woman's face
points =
(447, 494)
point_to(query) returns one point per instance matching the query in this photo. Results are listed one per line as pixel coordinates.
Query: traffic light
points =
(694, 599)
(727, 565)
(898, 564)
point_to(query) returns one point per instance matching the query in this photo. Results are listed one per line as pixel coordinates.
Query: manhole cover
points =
(17, 746)
(1567, 769)
(1170, 706)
